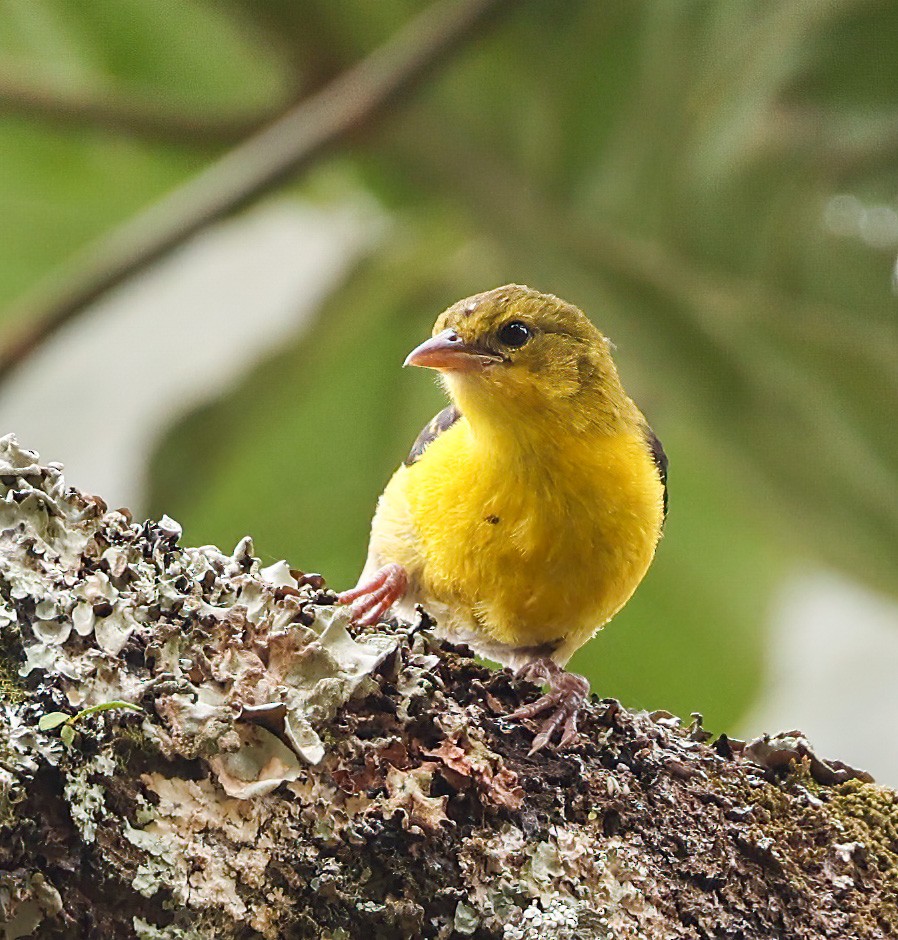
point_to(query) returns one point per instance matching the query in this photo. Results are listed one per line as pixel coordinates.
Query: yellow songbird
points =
(529, 510)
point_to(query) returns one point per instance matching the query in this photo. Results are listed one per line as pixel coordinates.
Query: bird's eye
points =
(514, 334)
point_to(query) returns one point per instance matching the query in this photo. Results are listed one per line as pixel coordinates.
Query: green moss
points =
(133, 747)
(804, 838)
(11, 688)
(869, 815)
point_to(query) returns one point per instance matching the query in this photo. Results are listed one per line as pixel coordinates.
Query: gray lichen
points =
(285, 776)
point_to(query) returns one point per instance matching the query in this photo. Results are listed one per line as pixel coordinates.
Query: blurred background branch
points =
(346, 106)
(126, 114)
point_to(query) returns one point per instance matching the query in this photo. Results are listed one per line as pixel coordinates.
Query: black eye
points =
(514, 334)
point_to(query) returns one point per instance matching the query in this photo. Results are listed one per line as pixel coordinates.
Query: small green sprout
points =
(67, 722)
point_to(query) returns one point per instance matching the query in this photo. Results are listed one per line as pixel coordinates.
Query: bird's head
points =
(513, 353)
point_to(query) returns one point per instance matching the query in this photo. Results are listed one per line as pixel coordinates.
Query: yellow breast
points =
(533, 546)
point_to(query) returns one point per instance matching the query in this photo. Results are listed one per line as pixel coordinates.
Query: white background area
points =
(832, 670)
(97, 395)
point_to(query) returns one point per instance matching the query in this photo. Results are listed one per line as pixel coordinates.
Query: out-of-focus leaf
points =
(177, 51)
(59, 191)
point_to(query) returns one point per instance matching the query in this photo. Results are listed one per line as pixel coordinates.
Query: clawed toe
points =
(562, 702)
(370, 600)
(563, 713)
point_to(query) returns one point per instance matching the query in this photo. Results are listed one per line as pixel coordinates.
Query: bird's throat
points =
(523, 421)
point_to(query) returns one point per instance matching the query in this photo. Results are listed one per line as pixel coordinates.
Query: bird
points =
(529, 509)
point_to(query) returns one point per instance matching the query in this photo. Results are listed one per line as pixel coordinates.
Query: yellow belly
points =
(530, 551)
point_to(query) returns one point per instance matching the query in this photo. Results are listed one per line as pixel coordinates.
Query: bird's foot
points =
(566, 695)
(372, 598)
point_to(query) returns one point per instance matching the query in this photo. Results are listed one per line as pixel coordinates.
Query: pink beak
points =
(447, 350)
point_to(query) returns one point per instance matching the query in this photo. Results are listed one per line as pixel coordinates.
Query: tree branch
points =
(192, 746)
(146, 119)
(293, 142)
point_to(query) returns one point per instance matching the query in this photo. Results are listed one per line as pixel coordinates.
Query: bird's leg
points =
(372, 598)
(566, 695)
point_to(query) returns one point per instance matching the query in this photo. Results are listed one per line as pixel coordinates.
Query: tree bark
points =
(257, 768)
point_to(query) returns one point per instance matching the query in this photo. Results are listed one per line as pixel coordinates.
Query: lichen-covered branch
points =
(262, 770)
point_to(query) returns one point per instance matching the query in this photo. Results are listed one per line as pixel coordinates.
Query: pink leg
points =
(371, 599)
(566, 695)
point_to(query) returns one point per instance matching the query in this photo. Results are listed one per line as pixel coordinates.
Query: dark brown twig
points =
(350, 102)
(125, 115)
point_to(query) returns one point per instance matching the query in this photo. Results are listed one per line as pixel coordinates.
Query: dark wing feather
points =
(660, 459)
(432, 430)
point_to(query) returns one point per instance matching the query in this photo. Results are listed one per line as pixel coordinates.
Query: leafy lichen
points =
(287, 777)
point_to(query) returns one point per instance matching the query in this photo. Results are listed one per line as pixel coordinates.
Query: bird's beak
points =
(447, 350)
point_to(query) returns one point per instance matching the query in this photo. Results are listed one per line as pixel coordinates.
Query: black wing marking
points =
(432, 430)
(660, 459)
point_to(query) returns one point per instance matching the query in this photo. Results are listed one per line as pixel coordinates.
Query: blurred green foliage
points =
(60, 185)
(674, 168)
